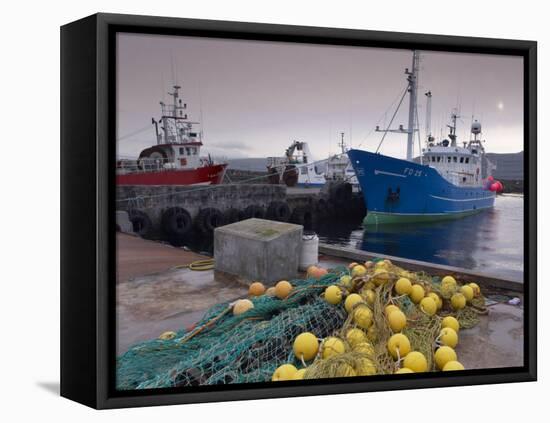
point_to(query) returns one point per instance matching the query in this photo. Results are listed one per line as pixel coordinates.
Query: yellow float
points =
(305, 346)
(351, 301)
(398, 346)
(284, 372)
(333, 295)
(403, 286)
(332, 346)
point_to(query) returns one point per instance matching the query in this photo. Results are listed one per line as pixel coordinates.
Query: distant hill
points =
(252, 164)
(509, 165)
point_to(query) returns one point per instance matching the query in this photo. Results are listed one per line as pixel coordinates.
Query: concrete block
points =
(258, 249)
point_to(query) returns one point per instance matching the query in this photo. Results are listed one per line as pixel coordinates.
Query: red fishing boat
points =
(175, 159)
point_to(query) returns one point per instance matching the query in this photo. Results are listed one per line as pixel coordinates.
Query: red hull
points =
(208, 175)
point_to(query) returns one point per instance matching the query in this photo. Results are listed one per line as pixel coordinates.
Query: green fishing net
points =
(247, 348)
(233, 349)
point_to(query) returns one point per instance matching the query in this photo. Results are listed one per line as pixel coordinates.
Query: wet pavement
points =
(137, 257)
(171, 300)
(154, 296)
(497, 341)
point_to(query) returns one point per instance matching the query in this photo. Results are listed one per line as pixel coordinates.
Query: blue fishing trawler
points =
(446, 181)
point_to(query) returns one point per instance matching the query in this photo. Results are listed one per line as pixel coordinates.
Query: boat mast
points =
(429, 136)
(413, 91)
(342, 143)
(174, 121)
(452, 127)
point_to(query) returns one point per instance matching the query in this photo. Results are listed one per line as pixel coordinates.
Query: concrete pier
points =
(153, 296)
(483, 279)
(229, 203)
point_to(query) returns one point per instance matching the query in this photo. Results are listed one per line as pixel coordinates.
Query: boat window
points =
(433, 158)
(448, 159)
(467, 159)
(462, 160)
(455, 159)
(188, 151)
(303, 170)
(181, 150)
(438, 159)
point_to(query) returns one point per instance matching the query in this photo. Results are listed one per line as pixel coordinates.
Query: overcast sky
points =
(256, 97)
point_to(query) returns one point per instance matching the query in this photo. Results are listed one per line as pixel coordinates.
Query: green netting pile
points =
(233, 349)
(224, 348)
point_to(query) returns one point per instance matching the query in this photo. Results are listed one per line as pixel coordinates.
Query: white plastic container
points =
(309, 255)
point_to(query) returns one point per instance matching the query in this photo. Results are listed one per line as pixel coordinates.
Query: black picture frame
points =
(87, 207)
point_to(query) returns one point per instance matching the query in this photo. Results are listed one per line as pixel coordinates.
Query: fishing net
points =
(233, 349)
(422, 330)
(224, 348)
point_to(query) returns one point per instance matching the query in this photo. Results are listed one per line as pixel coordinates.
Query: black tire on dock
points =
(231, 216)
(323, 208)
(305, 216)
(176, 221)
(279, 211)
(341, 193)
(209, 219)
(141, 223)
(255, 211)
(359, 209)
(338, 210)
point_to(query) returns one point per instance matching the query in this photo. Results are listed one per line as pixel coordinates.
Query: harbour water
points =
(489, 242)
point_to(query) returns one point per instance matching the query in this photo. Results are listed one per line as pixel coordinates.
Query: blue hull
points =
(397, 191)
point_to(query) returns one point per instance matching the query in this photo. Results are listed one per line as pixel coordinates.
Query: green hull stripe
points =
(377, 218)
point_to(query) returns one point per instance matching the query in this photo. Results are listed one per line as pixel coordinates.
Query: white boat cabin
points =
(465, 166)
(298, 156)
(460, 166)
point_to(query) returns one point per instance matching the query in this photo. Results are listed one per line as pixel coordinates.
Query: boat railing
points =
(143, 165)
